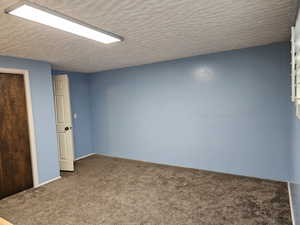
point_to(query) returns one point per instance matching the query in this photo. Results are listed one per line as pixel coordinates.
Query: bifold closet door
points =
(15, 157)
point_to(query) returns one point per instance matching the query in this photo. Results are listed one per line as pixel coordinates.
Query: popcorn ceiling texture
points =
(154, 30)
(112, 191)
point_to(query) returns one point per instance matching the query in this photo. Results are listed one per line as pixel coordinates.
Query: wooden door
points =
(63, 116)
(15, 157)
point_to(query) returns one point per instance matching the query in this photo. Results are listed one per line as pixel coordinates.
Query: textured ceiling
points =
(154, 30)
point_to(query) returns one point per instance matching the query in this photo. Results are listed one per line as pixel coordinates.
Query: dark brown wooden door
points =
(15, 158)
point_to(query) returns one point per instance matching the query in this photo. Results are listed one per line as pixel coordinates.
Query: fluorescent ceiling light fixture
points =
(36, 13)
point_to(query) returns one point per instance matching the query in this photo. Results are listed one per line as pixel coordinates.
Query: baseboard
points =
(84, 156)
(291, 203)
(48, 181)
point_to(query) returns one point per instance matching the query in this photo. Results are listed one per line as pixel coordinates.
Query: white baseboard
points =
(56, 178)
(84, 156)
(291, 203)
(48, 181)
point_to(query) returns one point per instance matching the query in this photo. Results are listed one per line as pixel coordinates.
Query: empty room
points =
(149, 112)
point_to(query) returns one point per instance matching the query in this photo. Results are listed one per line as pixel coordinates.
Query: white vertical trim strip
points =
(33, 149)
(291, 203)
(293, 61)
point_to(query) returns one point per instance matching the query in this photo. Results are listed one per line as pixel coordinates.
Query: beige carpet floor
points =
(111, 191)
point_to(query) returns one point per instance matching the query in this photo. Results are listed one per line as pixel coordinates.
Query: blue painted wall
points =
(43, 113)
(227, 112)
(80, 104)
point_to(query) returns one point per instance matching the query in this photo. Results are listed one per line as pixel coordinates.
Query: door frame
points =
(30, 120)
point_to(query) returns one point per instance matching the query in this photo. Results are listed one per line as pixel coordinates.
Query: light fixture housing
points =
(42, 15)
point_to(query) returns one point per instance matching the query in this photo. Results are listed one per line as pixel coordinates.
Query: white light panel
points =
(45, 17)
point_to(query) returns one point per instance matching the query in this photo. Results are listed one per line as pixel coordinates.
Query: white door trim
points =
(32, 140)
(291, 203)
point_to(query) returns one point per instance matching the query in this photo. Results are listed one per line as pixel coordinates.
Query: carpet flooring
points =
(112, 191)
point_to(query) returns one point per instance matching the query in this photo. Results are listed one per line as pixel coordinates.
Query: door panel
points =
(59, 101)
(62, 143)
(15, 157)
(64, 122)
